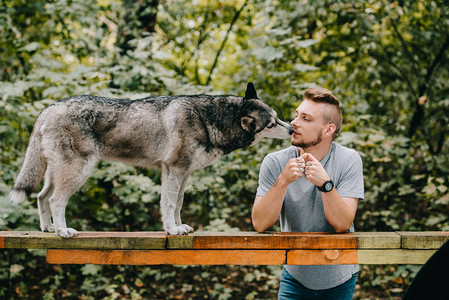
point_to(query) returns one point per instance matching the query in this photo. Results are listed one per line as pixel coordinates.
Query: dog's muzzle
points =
(291, 131)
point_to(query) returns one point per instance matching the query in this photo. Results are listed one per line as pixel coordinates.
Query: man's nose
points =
(293, 123)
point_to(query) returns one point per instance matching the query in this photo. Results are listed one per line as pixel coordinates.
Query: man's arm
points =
(267, 209)
(339, 211)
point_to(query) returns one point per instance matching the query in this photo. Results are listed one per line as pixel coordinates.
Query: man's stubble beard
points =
(305, 145)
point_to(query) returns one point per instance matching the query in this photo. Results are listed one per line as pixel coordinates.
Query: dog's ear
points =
(248, 123)
(250, 92)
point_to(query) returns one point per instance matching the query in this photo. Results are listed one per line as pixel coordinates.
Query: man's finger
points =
(300, 160)
(311, 157)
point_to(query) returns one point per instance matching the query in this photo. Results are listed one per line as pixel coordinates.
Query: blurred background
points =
(387, 62)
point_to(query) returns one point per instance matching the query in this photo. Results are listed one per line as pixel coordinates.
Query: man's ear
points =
(330, 129)
(247, 123)
(250, 92)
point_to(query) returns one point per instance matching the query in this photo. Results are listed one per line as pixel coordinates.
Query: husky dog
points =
(175, 134)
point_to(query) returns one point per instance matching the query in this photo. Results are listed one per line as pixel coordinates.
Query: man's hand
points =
(314, 170)
(293, 170)
(304, 165)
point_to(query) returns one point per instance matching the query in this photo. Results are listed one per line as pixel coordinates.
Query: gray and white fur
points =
(175, 134)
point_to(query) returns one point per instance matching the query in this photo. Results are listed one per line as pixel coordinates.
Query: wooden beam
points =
(219, 240)
(378, 240)
(167, 257)
(180, 241)
(394, 257)
(238, 257)
(423, 240)
(231, 248)
(198, 240)
(85, 240)
(322, 257)
(279, 240)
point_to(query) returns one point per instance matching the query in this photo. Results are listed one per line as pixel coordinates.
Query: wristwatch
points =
(327, 186)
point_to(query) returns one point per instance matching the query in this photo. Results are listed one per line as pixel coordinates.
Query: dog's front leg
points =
(173, 181)
(178, 221)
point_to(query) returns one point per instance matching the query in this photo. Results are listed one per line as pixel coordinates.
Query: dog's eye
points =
(271, 125)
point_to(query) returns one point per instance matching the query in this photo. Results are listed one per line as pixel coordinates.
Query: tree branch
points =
(434, 64)
(224, 42)
(404, 46)
(441, 141)
(385, 56)
(201, 39)
(418, 114)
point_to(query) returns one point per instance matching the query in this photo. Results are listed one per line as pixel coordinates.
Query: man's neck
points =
(319, 151)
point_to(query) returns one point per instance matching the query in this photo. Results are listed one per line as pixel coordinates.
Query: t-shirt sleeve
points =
(267, 175)
(351, 183)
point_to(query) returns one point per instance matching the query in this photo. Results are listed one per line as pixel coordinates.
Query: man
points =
(312, 186)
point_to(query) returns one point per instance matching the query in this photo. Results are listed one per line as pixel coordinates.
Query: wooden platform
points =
(230, 248)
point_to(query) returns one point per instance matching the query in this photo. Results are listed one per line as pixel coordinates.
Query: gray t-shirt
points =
(303, 206)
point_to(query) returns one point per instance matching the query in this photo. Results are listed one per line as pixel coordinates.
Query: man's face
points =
(308, 124)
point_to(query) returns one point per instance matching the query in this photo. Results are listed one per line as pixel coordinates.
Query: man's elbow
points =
(259, 228)
(258, 225)
(342, 228)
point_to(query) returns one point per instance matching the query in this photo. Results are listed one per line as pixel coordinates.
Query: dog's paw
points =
(67, 232)
(179, 230)
(187, 227)
(48, 228)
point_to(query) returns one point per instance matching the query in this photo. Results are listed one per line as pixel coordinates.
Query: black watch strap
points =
(327, 186)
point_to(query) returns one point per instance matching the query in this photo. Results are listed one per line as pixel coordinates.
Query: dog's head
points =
(260, 119)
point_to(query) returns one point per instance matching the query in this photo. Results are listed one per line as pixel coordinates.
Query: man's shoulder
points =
(341, 150)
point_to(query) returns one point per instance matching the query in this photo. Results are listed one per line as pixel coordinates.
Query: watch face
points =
(328, 186)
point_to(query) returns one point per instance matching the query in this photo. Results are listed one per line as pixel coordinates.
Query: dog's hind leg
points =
(173, 180)
(44, 205)
(68, 177)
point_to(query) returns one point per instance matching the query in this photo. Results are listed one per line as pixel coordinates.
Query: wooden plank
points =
(318, 240)
(238, 257)
(180, 241)
(2, 242)
(27, 239)
(423, 240)
(378, 240)
(394, 257)
(233, 240)
(85, 240)
(280, 240)
(167, 257)
(322, 257)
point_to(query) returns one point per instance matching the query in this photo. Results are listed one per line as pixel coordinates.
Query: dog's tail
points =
(32, 171)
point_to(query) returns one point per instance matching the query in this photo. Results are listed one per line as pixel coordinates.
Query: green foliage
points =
(379, 58)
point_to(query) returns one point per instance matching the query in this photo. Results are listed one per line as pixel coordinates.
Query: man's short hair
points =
(331, 115)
